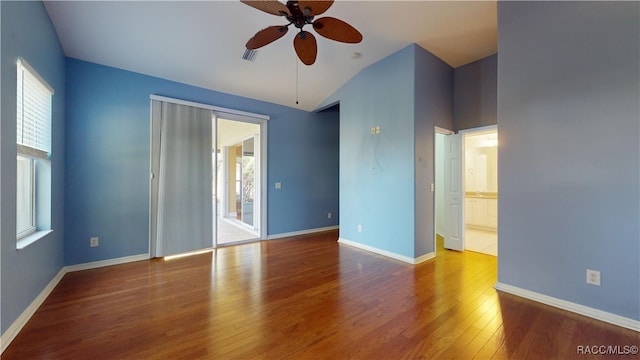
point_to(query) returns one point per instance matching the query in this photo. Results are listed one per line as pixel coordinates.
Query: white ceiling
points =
(201, 42)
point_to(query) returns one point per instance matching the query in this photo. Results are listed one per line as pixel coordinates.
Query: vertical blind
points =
(33, 110)
(181, 192)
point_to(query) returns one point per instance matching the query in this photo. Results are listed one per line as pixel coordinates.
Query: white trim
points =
(479, 129)
(31, 152)
(21, 321)
(264, 179)
(152, 245)
(23, 63)
(386, 253)
(571, 306)
(108, 262)
(443, 131)
(425, 257)
(208, 107)
(31, 238)
(13, 330)
(302, 232)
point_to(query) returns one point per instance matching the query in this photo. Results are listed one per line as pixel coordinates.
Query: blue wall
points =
(28, 33)
(569, 160)
(104, 114)
(376, 171)
(475, 93)
(433, 107)
(385, 178)
(568, 90)
(304, 157)
(107, 188)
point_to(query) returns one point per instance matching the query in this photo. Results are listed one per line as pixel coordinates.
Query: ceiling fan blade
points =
(315, 7)
(269, 6)
(266, 36)
(336, 29)
(306, 47)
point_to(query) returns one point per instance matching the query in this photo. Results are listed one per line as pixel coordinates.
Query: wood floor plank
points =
(300, 298)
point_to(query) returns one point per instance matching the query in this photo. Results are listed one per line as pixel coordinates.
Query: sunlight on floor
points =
(230, 231)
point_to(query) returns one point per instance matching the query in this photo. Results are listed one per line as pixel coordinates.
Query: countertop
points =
(481, 195)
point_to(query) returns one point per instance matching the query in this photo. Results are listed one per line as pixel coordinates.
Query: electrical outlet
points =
(593, 277)
(94, 241)
(329, 215)
(359, 228)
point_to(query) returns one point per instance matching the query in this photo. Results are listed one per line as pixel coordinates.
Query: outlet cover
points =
(329, 215)
(94, 241)
(593, 277)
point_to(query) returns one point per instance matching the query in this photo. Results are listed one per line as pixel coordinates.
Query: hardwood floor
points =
(301, 298)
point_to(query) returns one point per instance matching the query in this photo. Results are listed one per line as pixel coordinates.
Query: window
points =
(33, 173)
(25, 204)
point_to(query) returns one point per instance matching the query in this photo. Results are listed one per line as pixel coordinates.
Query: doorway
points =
(481, 190)
(238, 183)
(466, 189)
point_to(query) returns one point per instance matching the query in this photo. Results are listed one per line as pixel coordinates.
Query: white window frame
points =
(34, 102)
(30, 228)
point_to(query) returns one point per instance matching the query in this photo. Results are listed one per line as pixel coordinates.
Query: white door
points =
(454, 197)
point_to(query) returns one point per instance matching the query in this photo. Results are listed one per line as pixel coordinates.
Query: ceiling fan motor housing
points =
(298, 17)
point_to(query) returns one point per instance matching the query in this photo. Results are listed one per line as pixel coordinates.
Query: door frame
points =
(464, 132)
(261, 183)
(437, 189)
(443, 131)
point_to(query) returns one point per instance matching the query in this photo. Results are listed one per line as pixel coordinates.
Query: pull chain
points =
(297, 81)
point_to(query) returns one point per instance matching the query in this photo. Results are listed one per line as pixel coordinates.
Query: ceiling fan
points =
(299, 14)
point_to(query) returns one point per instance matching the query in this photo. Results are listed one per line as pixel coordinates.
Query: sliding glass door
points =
(200, 152)
(239, 182)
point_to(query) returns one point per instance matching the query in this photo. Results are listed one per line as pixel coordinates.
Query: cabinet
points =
(474, 212)
(481, 213)
(492, 213)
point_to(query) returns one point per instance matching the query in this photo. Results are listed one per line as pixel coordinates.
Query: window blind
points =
(33, 110)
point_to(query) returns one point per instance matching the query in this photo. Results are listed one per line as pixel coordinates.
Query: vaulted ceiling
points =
(201, 43)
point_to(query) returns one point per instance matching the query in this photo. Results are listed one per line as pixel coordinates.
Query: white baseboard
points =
(19, 323)
(571, 306)
(386, 253)
(302, 232)
(13, 330)
(425, 257)
(108, 262)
